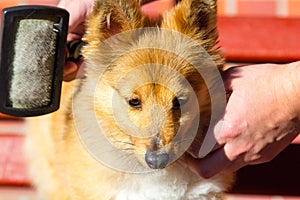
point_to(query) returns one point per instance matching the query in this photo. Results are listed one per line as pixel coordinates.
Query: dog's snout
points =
(156, 160)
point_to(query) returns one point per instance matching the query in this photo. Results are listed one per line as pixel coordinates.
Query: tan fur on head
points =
(143, 88)
(196, 19)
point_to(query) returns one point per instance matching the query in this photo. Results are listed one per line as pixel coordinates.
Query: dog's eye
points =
(177, 103)
(135, 103)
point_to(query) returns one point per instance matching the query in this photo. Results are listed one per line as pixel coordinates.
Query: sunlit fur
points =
(61, 166)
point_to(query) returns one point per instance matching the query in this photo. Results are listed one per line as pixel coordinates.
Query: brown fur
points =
(62, 167)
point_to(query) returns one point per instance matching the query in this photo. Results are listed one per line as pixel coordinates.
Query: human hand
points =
(80, 9)
(260, 120)
(153, 8)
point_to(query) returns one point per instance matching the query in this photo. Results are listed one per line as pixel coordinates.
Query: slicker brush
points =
(32, 57)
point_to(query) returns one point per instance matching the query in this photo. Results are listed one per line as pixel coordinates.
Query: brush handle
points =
(30, 80)
(73, 51)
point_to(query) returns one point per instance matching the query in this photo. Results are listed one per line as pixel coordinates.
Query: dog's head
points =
(149, 95)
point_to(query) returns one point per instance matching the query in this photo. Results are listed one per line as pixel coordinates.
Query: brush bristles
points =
(33, 62)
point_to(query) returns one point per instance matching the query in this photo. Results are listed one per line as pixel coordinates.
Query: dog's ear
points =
(111, 17)
(194, 18)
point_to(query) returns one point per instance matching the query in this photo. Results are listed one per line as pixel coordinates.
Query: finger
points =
(210, 141)
(76, 32)
(77, 19)
(74, 36)
(209, 166)
(70, 71)
(156, 8)
(234, 166)
(229, 76)
(196, 153)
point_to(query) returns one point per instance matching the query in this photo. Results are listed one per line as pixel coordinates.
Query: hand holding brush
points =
(80, 9)
(33, 53)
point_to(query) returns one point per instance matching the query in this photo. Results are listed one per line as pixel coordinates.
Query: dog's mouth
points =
(156, 159)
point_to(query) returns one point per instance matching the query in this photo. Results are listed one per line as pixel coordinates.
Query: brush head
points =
(33, 61)
(32, 58)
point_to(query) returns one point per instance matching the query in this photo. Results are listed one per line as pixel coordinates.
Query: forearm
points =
(262, 117)
(291, 86)
(295, 78)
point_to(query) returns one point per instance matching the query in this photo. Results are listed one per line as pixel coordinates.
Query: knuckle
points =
(230, 131)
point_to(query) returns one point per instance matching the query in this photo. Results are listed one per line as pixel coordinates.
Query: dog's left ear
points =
(196, 19)
(111, 17)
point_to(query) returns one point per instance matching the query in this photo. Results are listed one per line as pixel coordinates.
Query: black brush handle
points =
(10, 20)
(73, 51)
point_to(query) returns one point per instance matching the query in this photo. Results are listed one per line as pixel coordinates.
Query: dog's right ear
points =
(111, 17)
(194, 18)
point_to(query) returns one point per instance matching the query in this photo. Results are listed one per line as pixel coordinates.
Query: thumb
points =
(210, 142)
(229, 76)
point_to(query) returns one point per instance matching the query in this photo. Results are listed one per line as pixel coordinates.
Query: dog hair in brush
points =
(31, 79)
(35, 37)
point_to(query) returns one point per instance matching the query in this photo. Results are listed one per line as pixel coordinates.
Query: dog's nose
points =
(156, 160)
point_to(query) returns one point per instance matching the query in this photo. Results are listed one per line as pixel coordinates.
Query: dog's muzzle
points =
(156, 160)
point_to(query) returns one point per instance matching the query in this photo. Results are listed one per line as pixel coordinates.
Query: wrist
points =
(89, 4)
(294, 72)
(294, 69)
(292, 86)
